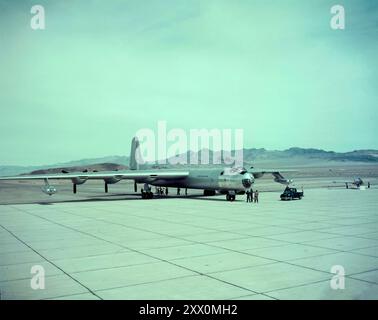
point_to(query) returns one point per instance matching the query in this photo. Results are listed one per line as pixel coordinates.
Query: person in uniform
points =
(248, 193)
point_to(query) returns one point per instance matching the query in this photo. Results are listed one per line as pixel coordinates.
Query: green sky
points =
(101, 70)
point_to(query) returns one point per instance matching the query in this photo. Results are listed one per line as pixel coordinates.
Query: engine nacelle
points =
(50, 190)
(78, 180)
(112, 180)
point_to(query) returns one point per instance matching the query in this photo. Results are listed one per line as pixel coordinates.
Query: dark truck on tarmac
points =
(291, 194)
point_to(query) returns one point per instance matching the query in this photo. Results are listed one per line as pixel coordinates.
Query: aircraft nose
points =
(247, 180)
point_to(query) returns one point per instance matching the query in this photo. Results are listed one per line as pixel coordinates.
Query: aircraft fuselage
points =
(210, 179)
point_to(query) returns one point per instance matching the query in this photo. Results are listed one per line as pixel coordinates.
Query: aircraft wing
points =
(126, 174)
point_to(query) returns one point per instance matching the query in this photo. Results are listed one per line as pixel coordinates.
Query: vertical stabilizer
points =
(135, 155)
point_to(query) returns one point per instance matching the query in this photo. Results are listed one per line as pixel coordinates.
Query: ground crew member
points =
(256, 198)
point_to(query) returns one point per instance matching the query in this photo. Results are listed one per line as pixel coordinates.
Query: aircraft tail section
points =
(135, 155)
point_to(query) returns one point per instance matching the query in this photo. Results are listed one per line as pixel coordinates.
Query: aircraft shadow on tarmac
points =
(118, 197)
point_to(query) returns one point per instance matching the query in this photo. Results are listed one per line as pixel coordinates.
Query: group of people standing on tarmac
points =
(164, 191)
(161, 191)
(252, 196)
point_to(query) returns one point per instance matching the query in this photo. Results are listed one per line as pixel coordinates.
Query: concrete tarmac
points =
(117, 246)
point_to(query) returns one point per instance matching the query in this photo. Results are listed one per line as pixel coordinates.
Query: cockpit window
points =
(233, 171)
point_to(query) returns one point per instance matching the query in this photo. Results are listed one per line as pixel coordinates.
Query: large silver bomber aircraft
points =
(228, 181)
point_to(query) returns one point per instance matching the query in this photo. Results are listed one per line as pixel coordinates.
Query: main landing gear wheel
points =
(230, 197)
(147, 195)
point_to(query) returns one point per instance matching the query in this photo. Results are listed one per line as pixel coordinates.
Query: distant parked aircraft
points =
(356, 183)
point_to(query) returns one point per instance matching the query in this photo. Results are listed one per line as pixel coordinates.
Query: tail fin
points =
(135, 156)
